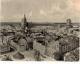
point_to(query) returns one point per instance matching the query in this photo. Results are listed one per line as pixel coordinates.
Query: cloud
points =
(51, 10)
(43, 13)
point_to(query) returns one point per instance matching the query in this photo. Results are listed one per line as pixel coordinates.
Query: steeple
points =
(23, 22)
(24, 19)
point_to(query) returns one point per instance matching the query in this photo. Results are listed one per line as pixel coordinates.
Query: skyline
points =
(40, 10)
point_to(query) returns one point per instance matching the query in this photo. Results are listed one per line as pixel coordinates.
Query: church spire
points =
(24, 18)
(24, 21)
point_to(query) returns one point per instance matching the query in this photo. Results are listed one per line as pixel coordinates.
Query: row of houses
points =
(62, 46)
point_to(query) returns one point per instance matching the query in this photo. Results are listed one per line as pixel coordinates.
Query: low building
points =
(4, 46)
(22, 44)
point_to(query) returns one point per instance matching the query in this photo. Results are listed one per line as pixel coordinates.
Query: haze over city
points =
(40, 10)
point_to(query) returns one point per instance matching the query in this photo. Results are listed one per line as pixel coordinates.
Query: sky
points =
(40, 10)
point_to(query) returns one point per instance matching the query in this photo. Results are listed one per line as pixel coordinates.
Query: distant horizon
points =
(44, 21)
(33, 22)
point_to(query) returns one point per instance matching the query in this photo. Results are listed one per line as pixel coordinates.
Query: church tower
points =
(24, 23)
(68, 23)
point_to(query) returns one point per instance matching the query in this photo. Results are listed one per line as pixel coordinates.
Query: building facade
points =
(68, 44)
